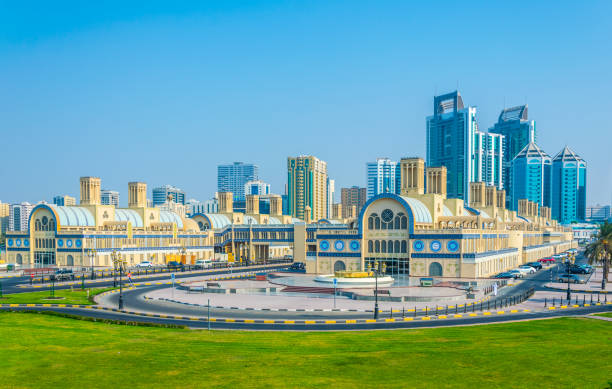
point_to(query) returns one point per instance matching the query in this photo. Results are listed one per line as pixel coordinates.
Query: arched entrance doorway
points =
(435, 269)
(339, 266)
(19, 259)
(69, 260)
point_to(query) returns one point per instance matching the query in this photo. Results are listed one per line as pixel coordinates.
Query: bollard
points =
(495, 303)
(465, 307)
(481, 306)
(544, 302)
(597, 297)
(415, 311)
(583, 299)
(456, 308)
(391, 313)
(553, 302)
(403, 312)
(446, 309)
(591, 298)
(488, 301)
(425, 310)
(473, 307)
(82, 283)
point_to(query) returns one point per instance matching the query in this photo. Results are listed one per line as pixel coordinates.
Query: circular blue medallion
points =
(452, 246)
(324, 245)
(435, 245)
(339, 245)
(18, 242)
(418, 245)
(60, 242)
(78, 242)
(69, 243)
(354, 245)
(26, 242)
(10, 242)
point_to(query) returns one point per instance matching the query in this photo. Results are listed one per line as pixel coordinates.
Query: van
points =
(203, 264)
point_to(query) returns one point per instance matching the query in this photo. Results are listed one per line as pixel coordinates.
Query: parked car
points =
(63, 274)
(517, 273)
(557, 257)
(573, 278)
(547, 260)
(526, 269)
(298, 267)
(535, 265)
(575, 269)
(504, 275)
(203, 264)
(588, 267)
(145, 264)
(175, 265)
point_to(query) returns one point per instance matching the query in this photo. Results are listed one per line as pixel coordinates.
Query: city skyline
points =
(317, 103)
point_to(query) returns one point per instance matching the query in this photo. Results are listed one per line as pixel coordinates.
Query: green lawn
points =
(39, 350)
(606, 314)
(76, 296)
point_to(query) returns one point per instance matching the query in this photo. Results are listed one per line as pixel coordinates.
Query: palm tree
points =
(601, 250)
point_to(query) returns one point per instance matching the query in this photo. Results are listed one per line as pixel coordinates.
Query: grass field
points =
(605, 314)
(76, 296)
(45, 351)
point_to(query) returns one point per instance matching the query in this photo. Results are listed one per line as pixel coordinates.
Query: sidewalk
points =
(592, 286)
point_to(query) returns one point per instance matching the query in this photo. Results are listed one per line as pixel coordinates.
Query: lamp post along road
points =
(92, 254)
(119, 263)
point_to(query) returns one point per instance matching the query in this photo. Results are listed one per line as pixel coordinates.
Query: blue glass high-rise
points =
(532, 176)
(569, 187)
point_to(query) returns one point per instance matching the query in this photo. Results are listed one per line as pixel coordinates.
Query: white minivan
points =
(203, 264)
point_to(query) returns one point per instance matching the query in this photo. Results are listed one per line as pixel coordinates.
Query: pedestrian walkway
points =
(592, 286)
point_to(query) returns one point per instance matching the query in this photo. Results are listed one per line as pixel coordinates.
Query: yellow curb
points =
(501, 312)
(194, 318)
(308, 322)
(473, 314)
(458, 315)
(486, 313)
(514, 311)
(370, 321)
(587, 305)
(13, 305)
(330, 322)
(426, 318)
(213, 319)
(230, 320)
(552, 308)
(30, 305)
(526, 310)
(351, 321)
(390, 320)
(289, 321)
(575, 306)
(442, 317)
(408, 319)
(564, 306)
(163, 315)
(249, 321)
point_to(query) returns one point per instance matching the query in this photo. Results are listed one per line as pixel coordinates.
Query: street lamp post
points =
(113, 255)
(118, 262)
(92, 254)
(568, 280)
(603, 268)
(376, 290)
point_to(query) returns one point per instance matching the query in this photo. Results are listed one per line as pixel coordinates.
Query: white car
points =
(203, 264)
(145, 264)
(516, 273)
(526, 269)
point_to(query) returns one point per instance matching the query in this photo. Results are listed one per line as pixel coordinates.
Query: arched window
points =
(377, 223)
(435, 269)
(37, 225)
(377, 246)
(383, 246)
(370, 246)
(397, 246)
(51, 224)
(404, 222)
(370, 222)
(19, 259)
(390, 246)
(339, 266)
(404, 246)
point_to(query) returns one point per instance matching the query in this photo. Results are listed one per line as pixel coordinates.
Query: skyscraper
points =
(160, 195)
(569, 187)
(109, 197)
(450, 142)
(307, 187)
(4, 217)
(488, 158)
(64, 200)
(532, 177)
(519, 131)
(353, 196)
(256, 188)
(331, 190)
(382, 176)
(19, 215)
(233, 177)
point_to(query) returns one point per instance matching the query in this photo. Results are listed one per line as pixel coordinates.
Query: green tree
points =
(600, 250)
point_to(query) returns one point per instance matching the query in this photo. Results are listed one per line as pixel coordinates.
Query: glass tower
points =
(233, 178)
(519, 131)
(569, 187)
(160, 195)
(532, 176)
(382, 176)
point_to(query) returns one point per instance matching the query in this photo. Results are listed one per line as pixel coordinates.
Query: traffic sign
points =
(335, 282)
(172, 276)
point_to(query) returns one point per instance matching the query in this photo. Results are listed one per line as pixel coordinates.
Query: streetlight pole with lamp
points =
(119, 262)
(92, 254)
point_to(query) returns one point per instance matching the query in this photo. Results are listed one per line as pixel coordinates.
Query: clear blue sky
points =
(164, 93)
